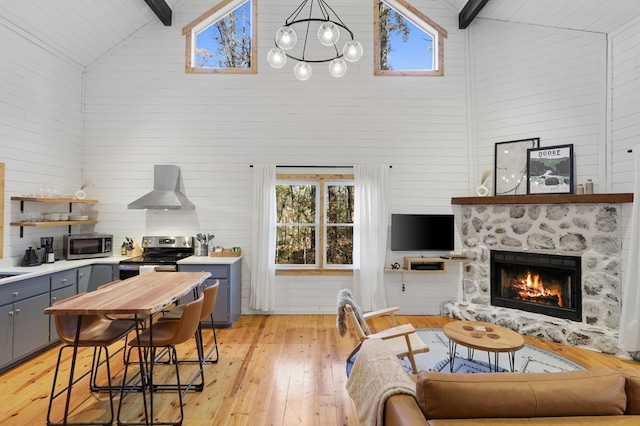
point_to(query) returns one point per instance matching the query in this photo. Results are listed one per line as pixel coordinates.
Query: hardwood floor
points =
(273, 370)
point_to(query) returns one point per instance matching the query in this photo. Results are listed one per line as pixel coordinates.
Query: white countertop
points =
(209, 260)
(24, 272)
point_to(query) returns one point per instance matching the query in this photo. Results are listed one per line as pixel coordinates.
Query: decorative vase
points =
(482, 191)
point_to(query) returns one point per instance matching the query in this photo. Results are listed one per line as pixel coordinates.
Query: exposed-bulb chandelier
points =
(328, 34)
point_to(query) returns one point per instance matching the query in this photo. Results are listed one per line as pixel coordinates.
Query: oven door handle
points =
(166, 268)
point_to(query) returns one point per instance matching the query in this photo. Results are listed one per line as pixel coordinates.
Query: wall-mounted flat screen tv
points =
(412, 232)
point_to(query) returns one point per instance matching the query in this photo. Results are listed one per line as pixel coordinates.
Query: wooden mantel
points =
(546, 199)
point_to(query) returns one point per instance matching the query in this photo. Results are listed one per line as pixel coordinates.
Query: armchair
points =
(402, 339)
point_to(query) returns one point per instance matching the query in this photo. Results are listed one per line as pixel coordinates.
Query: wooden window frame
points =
(438, 33)
(212, 15)
(319, 269)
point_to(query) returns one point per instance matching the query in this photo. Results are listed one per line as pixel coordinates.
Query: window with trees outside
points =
(223, 40)
(314, 230)
(406, 41)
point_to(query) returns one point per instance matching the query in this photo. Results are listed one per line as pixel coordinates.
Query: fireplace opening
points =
(547, 284)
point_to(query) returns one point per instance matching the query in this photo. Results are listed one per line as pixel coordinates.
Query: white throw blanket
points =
(376, 375)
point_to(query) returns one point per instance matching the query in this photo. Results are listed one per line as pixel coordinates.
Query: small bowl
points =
(64, 216)
(54, 217)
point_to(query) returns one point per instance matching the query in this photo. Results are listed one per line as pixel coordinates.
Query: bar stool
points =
(210, 297)
(165, 334)
(85, 331)
(140, 322)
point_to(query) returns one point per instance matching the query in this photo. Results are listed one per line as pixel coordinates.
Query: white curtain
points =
(370, 235)
(629, 335)
(263, 248)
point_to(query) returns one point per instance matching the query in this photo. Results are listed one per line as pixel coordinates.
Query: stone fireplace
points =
(547, 284)
(586, 229)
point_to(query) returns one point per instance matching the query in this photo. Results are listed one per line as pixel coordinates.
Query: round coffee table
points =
(484, 337)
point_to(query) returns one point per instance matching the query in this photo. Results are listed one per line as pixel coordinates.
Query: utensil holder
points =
(202, 249)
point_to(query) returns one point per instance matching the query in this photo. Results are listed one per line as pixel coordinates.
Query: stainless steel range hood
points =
(166, 194)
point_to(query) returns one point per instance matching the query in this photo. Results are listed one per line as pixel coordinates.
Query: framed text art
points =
(550, 170)
(510, 167)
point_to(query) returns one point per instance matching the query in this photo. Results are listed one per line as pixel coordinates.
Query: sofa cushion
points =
(595, 392)
(633, 390)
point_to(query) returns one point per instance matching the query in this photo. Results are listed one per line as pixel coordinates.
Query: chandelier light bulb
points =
(352, 51)
(286, 38)
(328, 34)
(302, 71)
(277, 58)
(337, 67)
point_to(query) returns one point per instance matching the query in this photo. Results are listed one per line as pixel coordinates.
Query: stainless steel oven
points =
(159, 253)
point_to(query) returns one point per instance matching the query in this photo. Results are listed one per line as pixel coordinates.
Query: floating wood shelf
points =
(66, 200)
(53, 200)
(546, 199)
(55, 223)
(421, 265)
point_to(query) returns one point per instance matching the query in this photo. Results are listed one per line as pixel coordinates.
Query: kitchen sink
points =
(4, 275)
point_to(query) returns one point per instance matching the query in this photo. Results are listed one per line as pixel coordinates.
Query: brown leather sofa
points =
(595, 396)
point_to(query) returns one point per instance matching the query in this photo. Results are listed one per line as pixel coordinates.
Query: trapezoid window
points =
(223, 39)
(406, 41)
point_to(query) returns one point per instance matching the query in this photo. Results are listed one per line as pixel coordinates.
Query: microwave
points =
(87, 246)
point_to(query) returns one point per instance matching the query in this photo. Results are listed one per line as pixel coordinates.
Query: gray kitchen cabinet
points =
(31, 325)
(6, 334)
(24, 328)
(57, 295)
(228, 302)
(64, 279)
(84, 275)
(93, 276)
(101, 274)
(63, 284)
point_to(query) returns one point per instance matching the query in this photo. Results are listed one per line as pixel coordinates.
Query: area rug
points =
(529, 359)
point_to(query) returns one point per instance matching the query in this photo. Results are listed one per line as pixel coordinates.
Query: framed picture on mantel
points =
(510, 168)
(550, 170)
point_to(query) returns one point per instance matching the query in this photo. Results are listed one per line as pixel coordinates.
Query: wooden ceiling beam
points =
(469, 12)
(162, 10)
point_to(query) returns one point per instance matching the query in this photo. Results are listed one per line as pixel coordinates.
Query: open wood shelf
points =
(55, 223)
(433, 264)
(53, 200)
(65, 200)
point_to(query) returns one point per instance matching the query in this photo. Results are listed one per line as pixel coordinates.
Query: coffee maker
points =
(48, 256)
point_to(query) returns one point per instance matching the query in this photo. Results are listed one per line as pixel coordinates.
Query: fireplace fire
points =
(532, 289)
(540, 283)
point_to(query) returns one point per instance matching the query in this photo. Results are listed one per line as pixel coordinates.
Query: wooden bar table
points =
(142, 296)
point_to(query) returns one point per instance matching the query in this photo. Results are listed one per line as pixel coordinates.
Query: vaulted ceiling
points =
(80, 30)
(84, 30)
(601, 16)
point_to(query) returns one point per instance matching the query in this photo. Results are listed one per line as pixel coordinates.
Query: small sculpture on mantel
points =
(482, 190)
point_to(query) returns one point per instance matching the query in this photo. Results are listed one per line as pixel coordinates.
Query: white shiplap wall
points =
(625, 106)
(530, 81)
(624, 125)
(40, 130)
(142, 109)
